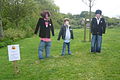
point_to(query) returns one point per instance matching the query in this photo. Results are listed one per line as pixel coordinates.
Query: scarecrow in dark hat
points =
(98, 27)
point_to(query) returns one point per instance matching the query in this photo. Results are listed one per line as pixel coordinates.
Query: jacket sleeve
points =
(91, 25)
(104, 26)
(52, 28)
(60, 33)
(37, 27)
(72, 36)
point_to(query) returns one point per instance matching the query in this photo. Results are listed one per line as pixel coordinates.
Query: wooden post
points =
(85, 31)
(16, 69)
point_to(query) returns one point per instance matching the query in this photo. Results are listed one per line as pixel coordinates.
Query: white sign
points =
(13, 52)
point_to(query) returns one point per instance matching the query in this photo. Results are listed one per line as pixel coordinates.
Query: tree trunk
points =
(90, 5)
(16, 24)
(85, 32)
(1, 30)
(1, 27)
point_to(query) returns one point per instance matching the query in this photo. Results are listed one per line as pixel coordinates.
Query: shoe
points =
(69, 54)
(41, 58)
(62, 54)
(98, 52)
(93, 52)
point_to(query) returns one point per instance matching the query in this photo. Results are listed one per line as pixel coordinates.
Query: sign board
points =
(13, 52)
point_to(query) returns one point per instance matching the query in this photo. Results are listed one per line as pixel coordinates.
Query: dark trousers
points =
(96, 43)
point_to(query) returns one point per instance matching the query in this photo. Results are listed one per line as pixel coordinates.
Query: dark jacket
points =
(44, 32)
(98, 29)
(63, 33)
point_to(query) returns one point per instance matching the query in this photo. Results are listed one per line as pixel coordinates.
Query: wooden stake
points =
(16, 70)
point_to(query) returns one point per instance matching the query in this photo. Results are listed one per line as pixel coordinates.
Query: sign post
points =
(14, 55)
(16, 69)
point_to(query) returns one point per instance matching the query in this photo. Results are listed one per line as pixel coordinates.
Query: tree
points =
(16, 10)
(1, 27)
(90, 4)
(54, 10)
(85, 14)
(84, 24)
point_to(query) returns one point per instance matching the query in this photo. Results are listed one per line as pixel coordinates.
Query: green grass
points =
(82, 65)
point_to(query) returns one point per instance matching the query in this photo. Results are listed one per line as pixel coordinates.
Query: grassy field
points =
(81, 65)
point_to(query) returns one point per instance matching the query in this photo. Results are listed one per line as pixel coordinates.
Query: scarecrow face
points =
(46, 16)
(98, 15)
(67, 22)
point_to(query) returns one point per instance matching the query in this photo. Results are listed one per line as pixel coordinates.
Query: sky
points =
(110, 8)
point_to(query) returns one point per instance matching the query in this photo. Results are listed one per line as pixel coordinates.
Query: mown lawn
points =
(81, 65)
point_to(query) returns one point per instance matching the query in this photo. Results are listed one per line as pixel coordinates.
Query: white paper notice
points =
(13, 52)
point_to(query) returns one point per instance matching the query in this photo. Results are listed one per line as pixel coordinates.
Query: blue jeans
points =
(96, 43)
(64, 48)
(47, 46)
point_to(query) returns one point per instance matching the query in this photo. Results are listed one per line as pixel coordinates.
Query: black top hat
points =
(98, 12)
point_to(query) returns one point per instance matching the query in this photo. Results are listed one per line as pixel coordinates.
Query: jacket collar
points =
(99, 18)
(66, 25)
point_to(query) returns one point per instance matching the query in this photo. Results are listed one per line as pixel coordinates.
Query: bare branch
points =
(92, 3)
(85, 2)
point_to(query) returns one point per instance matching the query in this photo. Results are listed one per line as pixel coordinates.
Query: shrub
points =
(29, 31)
(5, 42)
(11, 35)
(14, 34)
(2, 44)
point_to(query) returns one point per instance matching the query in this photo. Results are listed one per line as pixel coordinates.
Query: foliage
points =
(85, 14)
(16, 10)
(112, 21)
(19, 17)
(14, 34)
